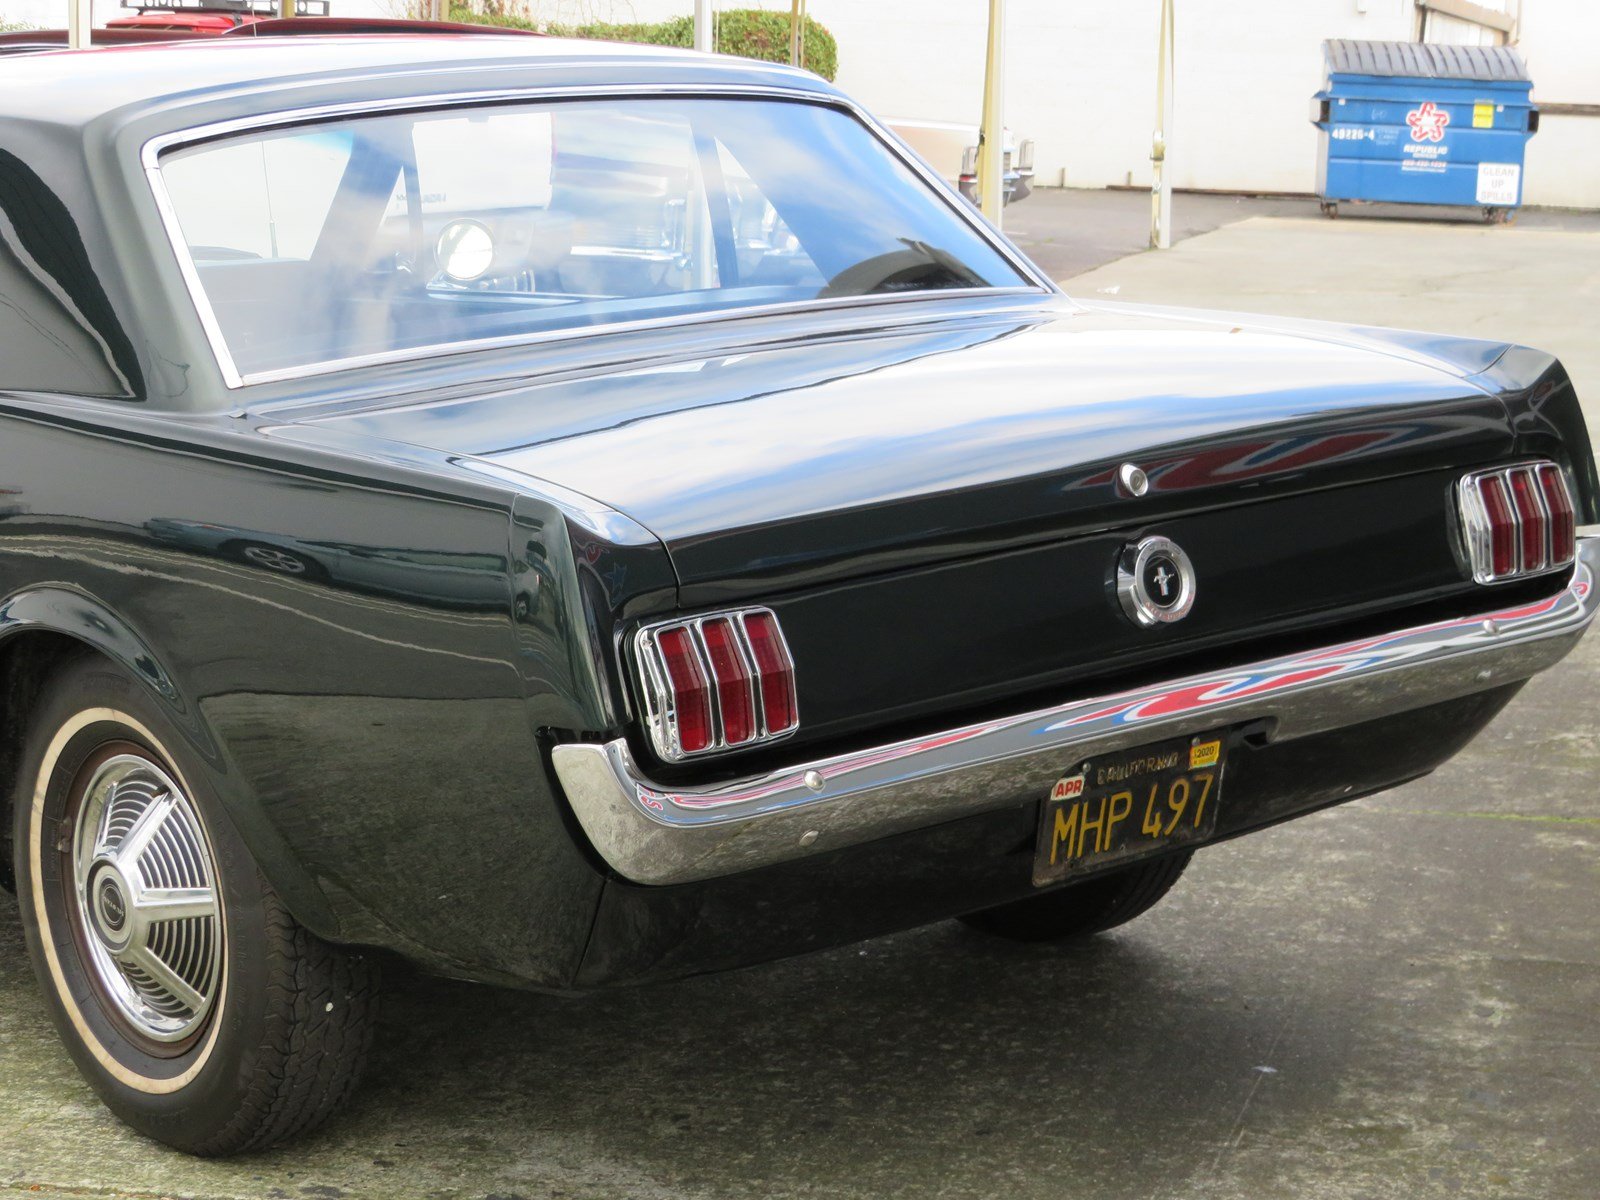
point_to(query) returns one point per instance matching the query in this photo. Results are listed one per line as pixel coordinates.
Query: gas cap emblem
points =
(1155, 582)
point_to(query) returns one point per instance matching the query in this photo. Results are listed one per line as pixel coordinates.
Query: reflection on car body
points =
(442, 576)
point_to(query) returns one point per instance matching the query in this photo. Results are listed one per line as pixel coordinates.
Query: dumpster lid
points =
(1424, 60)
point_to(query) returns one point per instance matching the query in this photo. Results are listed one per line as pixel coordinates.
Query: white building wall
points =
(1561, 41)
(1081, 79)
(1081, 76)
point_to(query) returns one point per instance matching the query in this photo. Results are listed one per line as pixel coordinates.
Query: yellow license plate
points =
(1130, 804)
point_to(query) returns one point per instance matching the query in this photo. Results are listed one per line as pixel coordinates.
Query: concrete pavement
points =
(1393, 999)
(1068, 231)
(1533, 283)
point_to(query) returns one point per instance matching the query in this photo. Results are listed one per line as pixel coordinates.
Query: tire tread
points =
(321, 1015)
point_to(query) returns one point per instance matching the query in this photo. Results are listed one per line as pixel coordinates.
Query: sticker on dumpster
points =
(1497, 184)
(1424, 156)
(1427, 122)
(1483, 116)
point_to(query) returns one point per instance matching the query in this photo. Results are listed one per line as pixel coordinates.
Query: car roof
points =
(265, 74)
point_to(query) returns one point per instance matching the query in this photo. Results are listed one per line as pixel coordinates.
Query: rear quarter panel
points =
(371, 723)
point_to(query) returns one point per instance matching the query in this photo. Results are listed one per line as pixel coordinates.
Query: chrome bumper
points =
(656, 835)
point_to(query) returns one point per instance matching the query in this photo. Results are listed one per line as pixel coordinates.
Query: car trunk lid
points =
(952, 493)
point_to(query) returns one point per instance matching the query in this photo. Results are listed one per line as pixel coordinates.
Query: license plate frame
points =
(1139, 787)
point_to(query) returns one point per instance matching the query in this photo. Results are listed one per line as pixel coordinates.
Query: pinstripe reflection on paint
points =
(1166, 703)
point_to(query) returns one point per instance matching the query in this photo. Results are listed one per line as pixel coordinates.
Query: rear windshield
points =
(377, 235)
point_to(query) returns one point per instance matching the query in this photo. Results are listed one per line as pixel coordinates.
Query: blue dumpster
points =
(1417, 123)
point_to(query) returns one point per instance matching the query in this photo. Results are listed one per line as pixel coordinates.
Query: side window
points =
(768, 251)
(267, 198)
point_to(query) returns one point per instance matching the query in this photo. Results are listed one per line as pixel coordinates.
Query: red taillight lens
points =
(691, 698)
(734, 680)
(775, 669)
(1502, 526)
(1518, 521)
(1531, 522)
(1563, 518)
(718, 682)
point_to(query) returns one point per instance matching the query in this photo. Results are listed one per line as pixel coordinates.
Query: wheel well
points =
(27, 660)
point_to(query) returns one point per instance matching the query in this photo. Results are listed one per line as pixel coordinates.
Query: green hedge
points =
(747, 32)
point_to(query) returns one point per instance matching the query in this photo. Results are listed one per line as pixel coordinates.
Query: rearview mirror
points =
(465, 250)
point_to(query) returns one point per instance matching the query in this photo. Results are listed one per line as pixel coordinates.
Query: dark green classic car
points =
(572, 515)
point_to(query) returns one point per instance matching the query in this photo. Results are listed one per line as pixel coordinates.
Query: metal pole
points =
(286, 9)
(80, 19)
(702, 25)
(1161, 182)
(697, 217)
(992, 135)
(797, 40)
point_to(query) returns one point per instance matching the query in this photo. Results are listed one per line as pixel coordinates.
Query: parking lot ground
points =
(1537, 282)
(1391, 999)
(1068, 231)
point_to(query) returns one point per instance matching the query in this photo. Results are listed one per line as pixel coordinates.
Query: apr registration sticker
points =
(1205, 754)
(1067, 789)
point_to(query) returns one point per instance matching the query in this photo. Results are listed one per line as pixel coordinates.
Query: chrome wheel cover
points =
(145, 884)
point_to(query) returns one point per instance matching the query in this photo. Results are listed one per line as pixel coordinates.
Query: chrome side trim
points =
(152, 150)
(654, 834)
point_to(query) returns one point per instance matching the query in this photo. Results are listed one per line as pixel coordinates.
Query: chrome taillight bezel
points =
(1477, 528)
(660, 699)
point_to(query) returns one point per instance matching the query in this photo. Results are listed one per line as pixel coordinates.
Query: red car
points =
(213, 17)
(219, 18)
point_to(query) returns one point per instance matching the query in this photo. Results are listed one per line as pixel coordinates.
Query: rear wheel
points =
(1086, 908)
(200, 1010)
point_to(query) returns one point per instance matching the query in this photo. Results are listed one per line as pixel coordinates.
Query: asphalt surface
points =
(1068, 231)
(1392, 999)
(1536, 283)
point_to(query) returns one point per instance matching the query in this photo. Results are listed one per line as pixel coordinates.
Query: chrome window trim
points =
(151, 151)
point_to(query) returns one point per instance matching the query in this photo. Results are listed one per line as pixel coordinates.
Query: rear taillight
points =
(1517, 521)
(723, 681)
(736, 680)
(692, 706)
(779, 710)
(1558, 502)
